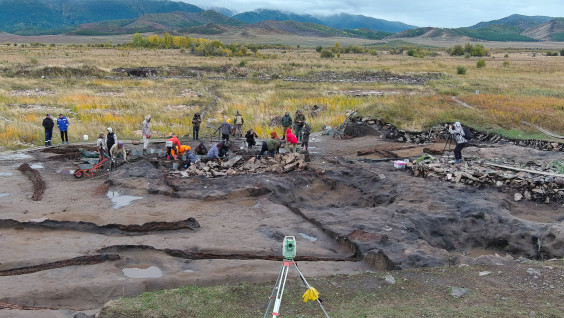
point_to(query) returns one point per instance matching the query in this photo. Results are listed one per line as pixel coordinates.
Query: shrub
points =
(506, 64)
(562, 52)
(326, 54)
(243, 63)
(318, 48)
(460, 70)
(551, 53)
(458, 50)
(481, 63)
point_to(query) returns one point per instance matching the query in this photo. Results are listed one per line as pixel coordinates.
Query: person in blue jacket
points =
(63, 124)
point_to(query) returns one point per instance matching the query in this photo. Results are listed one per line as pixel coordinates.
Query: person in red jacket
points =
(291, 140)
(172, 145)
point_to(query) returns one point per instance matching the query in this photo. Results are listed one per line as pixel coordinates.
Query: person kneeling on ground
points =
(201, 150)
(213, 154)
(118, 149)
(180, 151)
(224, 149)
(461, 142)
(274, 135)
(270, 145)
(291, 140)
(250, 136)
(190, 158)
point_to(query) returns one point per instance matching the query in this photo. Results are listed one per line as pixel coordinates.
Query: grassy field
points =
(507, 291)
(80, 83)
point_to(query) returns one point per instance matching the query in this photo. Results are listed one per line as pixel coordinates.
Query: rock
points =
(527, 195)
(518, 196)
(232, 162)
(381, 176)
(390, 279)
(290, 167)
(82, 315)
(484, 273)
(499, 184)
(533, 272)
(135, 142)
(458, 292)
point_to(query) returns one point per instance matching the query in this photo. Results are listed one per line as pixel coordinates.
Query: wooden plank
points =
(526, 170)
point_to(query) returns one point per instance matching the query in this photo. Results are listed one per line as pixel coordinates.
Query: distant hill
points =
(515, 20)
(260, 15)
(27, 17)
(298, 28)
(551, 31)
(348, 21)
(177, 22)
(339, 21)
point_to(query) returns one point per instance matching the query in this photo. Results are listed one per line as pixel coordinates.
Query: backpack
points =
(467, 133)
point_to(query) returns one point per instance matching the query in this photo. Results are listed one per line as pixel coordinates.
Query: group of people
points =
(108, 145)
(49, 124)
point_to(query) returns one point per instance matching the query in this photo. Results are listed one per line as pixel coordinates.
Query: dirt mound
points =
(138, 169)
(36, 180)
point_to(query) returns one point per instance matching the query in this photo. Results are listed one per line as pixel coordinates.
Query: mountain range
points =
(106, 17)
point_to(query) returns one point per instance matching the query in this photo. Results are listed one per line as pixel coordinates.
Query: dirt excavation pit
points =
(350, 213)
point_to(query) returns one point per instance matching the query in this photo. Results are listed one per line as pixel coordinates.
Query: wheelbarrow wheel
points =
(78, 174)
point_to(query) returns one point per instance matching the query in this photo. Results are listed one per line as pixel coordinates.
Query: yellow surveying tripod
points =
(289, 252)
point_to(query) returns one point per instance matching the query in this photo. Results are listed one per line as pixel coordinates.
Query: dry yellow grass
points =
(528, 88)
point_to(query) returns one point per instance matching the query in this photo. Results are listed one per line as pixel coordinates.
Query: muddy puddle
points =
(119, 200)
(307, 237)
(2, 195)
(6, 174)
(15, 156)
(142, 271)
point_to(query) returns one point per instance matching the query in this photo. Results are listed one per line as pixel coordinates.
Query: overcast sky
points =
(436, 13)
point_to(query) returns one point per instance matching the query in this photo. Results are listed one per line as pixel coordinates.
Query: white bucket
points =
(85, 137)
(399, 164)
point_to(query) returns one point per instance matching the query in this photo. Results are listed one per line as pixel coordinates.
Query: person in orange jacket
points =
(181, 150)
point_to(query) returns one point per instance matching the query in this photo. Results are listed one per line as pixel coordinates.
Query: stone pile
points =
(540, 186)
(241, 165)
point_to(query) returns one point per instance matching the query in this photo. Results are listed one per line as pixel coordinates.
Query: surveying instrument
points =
(289, 252)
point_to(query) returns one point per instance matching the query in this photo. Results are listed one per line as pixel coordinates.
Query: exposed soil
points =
(349, 214)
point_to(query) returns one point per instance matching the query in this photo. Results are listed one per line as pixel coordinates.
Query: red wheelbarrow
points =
(88, 169)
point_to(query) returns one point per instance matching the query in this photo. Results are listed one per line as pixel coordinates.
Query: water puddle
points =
(16, 156)
(2, 195)
(37, 165)
(477, 252)
(307, 237)
(66, 171)
(6, 174)
(142, 271)
(119, 201)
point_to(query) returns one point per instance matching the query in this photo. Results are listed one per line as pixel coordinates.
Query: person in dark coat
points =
(48, 124)
(286, 122)
(63, 124)
(201, 150)
(299, 121)
(111, 140)
(250, 137)
(306, 131)
(196, 122)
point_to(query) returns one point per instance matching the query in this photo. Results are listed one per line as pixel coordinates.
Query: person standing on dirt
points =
(63, 124)
(48, 124)
(299, 121)
(196, 122)
(250, 138)
(111, 139)
(461, 142)
(146, 132)
(291, 141)
(286, 124)
(238, 122)
(101, 145)
(305, 138)
(225, 130)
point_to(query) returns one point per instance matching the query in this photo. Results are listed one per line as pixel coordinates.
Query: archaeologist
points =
(274, 135)
(63, 125)
(118, 149)
(196, 122)
(225, 130)
(111, 139)
(299, 121)
(180, 151)
(48, 124)
(291, 140)
(213, 154)
(286, 124)
(101, 145)
(146, 132)
(172, 146)
(250, 138)
(306, 131)
(224, 148)
(271, 145)
(201, 150)
(190, 158)
(238, 122)
(461, 142)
